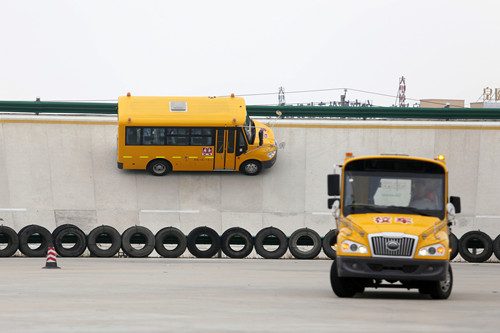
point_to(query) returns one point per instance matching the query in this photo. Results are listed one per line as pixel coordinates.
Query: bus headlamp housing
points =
(271, 154)
(353, 247)
(436, 250)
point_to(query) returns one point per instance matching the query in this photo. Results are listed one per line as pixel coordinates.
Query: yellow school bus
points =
(163, 134)
(393, 217)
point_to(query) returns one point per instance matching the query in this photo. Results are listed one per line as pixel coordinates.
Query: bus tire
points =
(170, 232)
(131, 251)
(438, 289)
(477, 237)
(328, 244)
(68, 229)
(112, 233)
(12, 241)
(231, 233)
(496, 247)
(214, 242)
(45, 241)
(453, 246)
(251, 167)
(159, 167)
(341, 286)
(261, 237)
(293, 243)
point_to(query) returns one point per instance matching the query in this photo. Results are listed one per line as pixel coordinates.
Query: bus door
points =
(225, 149)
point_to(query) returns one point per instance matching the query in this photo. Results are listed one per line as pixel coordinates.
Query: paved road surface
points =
(229, 295)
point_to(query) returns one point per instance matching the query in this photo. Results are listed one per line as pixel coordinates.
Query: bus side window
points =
(147, 136)
(220, 141)
(230, 141)
(177, 136)
(133, 136)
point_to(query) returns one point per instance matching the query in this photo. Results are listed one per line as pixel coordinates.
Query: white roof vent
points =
(178, 106)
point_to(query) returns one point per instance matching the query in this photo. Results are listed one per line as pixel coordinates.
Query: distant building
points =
(485, 105)
(442, 103)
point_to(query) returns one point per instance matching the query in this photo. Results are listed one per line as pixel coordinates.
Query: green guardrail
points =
(58, 107)
(372, 112)
(284, 111)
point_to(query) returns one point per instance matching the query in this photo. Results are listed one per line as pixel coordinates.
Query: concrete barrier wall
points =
(57, 170)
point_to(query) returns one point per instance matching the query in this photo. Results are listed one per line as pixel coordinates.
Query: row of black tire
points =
(473, 246)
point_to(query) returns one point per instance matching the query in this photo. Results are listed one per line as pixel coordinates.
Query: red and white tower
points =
(402, 92)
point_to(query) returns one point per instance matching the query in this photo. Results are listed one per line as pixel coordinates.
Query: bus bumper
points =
(392, 268)
(270, 163)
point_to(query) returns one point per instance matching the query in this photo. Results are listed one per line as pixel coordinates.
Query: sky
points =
(98, 50)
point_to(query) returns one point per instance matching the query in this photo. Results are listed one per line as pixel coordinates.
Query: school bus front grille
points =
(393, 246)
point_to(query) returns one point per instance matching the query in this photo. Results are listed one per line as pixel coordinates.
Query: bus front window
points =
(386, 192)
(249, 130)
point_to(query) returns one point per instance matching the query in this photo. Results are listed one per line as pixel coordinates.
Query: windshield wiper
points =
(409, 209)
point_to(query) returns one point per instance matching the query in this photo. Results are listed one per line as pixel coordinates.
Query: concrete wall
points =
(57, 170)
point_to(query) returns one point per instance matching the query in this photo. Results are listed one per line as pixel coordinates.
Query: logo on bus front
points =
(404, 220)
(207, 151)
(382, 219)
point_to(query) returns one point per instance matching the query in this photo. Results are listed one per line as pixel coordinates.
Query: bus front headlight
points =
(353, 247)
(271, 154)
(433, 250)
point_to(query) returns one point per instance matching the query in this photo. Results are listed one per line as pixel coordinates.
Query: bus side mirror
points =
(455, 201)
(333, 185)
(261, 137)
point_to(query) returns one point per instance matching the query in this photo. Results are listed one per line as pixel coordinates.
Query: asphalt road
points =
(229, 295)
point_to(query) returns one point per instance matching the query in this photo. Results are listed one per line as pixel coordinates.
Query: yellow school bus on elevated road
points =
(163, 134)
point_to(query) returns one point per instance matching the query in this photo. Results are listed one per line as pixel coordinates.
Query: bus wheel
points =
(251, 168)
(342, 287)
(442, 289)
(159, 167)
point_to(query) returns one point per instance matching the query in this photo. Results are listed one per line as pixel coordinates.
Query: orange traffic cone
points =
(51, 258)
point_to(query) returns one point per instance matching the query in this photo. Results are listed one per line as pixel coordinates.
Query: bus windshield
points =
(249, 128)
(394, 192)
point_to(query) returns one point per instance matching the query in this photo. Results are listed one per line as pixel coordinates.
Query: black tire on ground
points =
(11, 239)
(170, 233)
(342, 287)
(59, 228)
(45, 240)
(474, 240)
(109, 232)
(438, 289)
(159, 167)
(496, 247)
(453, 246)
(260, 240)
(71, 233)
(234, 234)
(304, 233)
(139, 232)
(213, 238)
(251, 167)
(328, 242)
